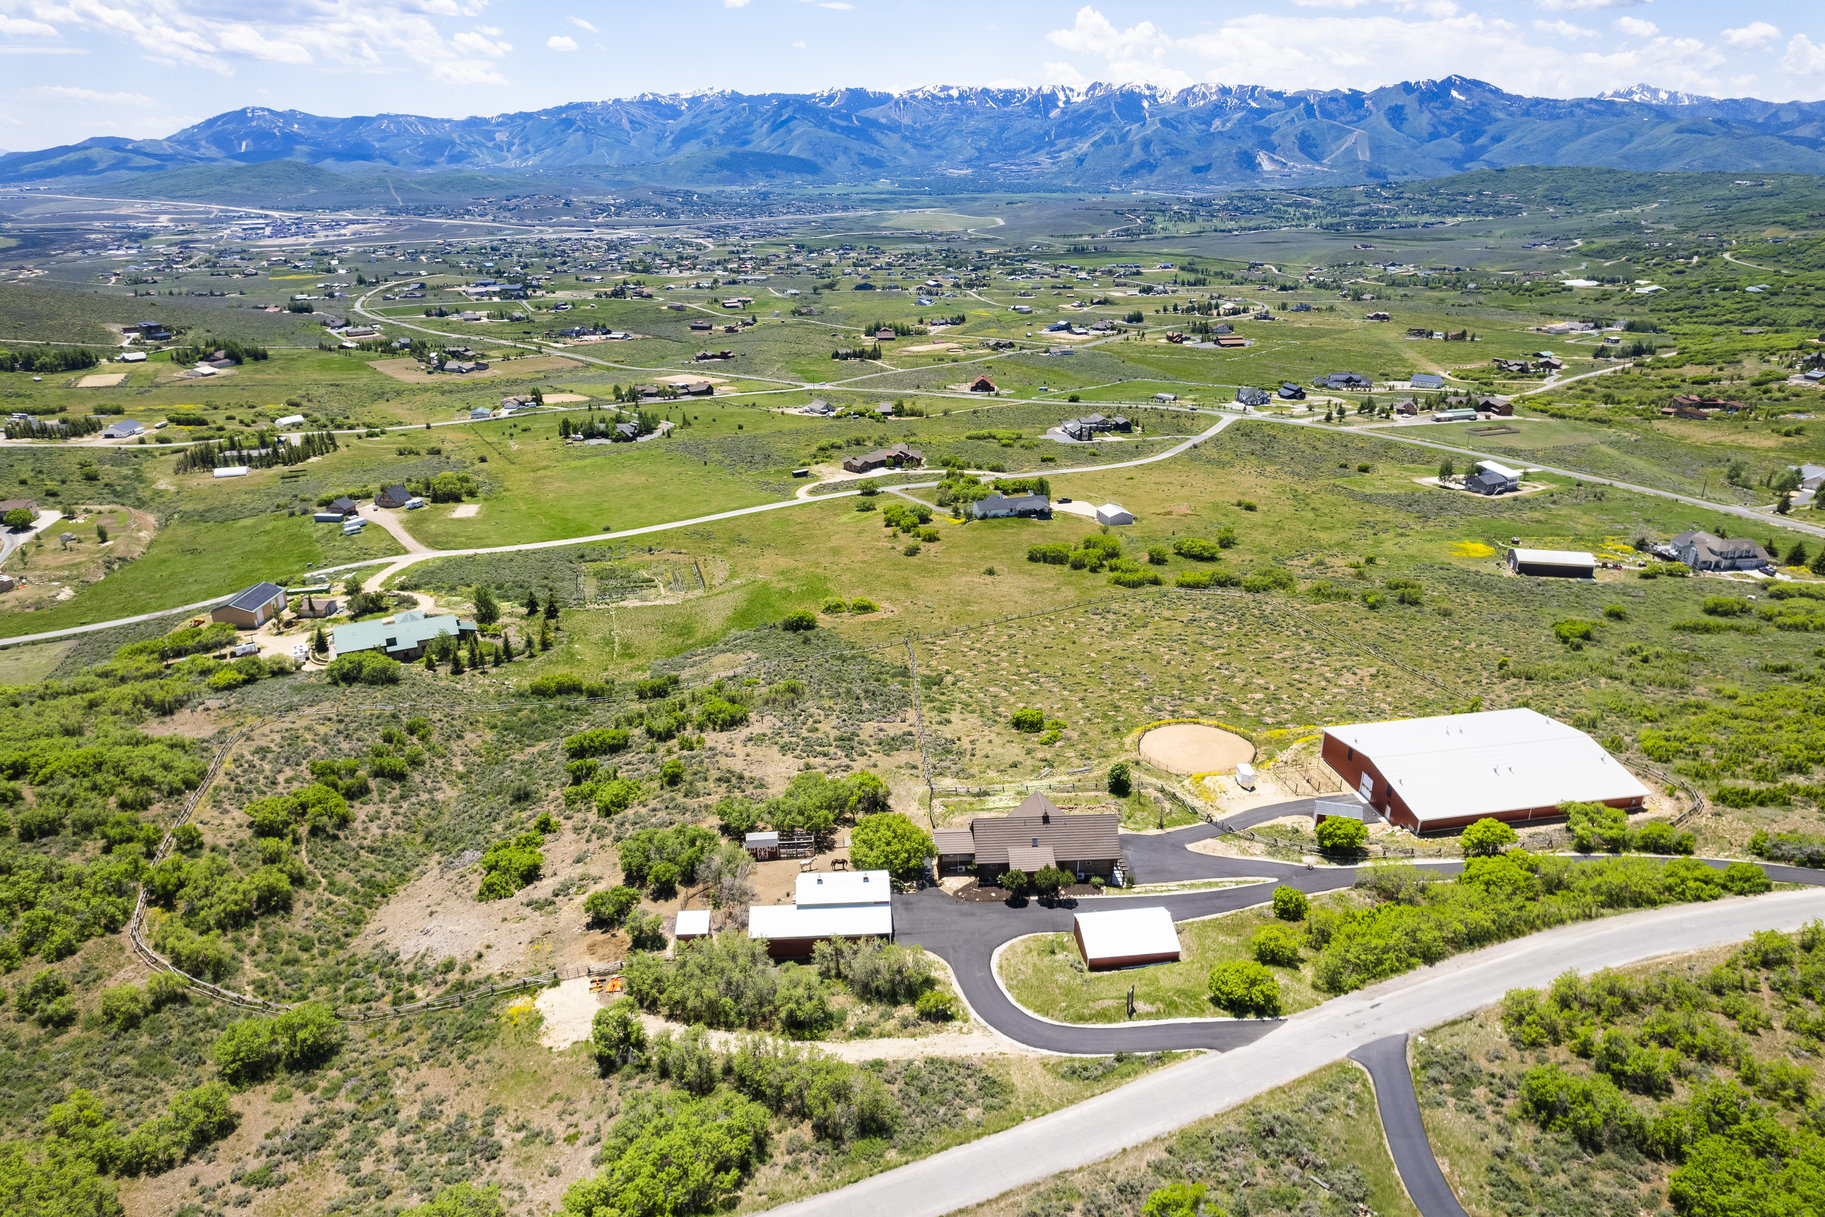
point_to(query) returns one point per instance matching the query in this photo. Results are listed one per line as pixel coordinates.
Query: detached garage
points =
(1127, 938)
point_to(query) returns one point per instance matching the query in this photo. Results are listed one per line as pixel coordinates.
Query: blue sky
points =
(75, 68)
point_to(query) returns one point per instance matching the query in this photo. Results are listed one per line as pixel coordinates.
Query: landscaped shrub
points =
(1339, 834)
(362, 668)
(1276, 944)
(1055, 554)
(1244, 987)
(1290, 904)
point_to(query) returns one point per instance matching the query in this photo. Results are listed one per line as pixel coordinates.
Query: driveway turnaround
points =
(1171, 1098)
(1386, 1061)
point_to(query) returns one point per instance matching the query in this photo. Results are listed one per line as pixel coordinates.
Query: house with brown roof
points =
(900, 456)
(982, 384)
(1035, 835)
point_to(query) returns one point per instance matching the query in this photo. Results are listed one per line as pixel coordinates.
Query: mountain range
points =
(1207, 137)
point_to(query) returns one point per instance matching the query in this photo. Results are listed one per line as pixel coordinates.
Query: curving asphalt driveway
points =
(967, 936)
(1411, 1149)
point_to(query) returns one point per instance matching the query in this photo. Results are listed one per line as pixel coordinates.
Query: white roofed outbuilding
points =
(1126, 938)
(1428, 774)
(827, 904)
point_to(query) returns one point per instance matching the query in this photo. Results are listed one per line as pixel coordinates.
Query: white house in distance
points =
(1444, 772)
(1126, 938)
(836, 904)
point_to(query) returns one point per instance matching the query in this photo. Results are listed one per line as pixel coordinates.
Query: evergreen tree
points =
(551, 606)
(1817, 565)
(1795, 555)
(544, 638)
(319, 644)
(475, 651)
(487, 608)
(456, 663)
(532, 604)
(506, 648)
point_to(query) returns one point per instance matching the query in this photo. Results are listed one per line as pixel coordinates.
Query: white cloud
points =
(347, 35)
(581, 24)
(559, 42)
(735, 3)
(1584, 6)
(1635, 27)
(1368, 48)
(95, 96)
(1755, 36)
(475, 42)
(798, 46)
(1804, 57)
(25, 27)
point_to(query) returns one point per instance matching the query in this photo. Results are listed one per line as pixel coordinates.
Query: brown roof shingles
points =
(1039, 822)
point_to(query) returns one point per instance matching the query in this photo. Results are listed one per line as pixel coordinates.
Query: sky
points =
(70, 69)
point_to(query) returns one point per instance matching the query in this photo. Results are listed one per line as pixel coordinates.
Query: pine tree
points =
(1817, 565)
(475, 651)
(456, 663)
(532, 604)
(551, 606)
(544, 638)
(319, 644)
(494, 656)
(506, 648)
(1795, 555)
(430, 662)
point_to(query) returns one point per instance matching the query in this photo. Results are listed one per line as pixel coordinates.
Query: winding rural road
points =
(1171, 1098)
(399, 562)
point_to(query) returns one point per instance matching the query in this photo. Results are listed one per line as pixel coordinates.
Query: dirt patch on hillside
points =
(1195, 748)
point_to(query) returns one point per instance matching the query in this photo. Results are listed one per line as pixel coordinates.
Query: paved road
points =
(1168, 1099)
(1386, 1061)
(400, 561)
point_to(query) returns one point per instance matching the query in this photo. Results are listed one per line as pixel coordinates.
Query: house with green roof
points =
(402, 636)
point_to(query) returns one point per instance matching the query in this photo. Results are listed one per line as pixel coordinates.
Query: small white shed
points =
(692, 923)
(1126, 938)
(1114, 513)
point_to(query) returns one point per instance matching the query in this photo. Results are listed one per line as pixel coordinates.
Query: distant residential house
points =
(402, 636)
(1706, 551)
(1091, 425)
(899, 456)
(252, 608)
(1426, 380)
(1000, 506)
(1492, 479)
(1552, 563)
(477, 413)
(982, 384)
(1291, 392)
(30, 505)
(393, 496)
(344, 506)
(1248, 395)
(1380, 317)
(125, 428)
(316, 606)
(1344, 380)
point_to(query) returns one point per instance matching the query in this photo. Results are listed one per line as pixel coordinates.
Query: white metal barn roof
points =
(769, 921)
(1459, 765)
(692, 923)
(1499, 470)
(1554, 557)
(825, 888)
(1127, 934)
